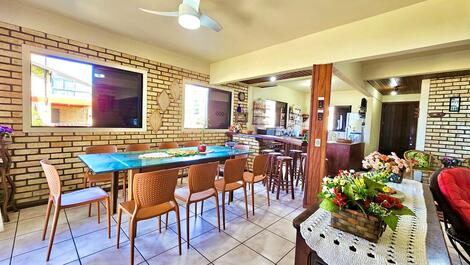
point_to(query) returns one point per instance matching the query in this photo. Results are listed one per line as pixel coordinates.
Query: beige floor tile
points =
(97, 241)
(62, 253)
(113, 256)
(9, 230)
(89, 224)
(214, 244)
(32, 212)
(278, 208)
(263, 218)
(5, 262)
(294, 214)
(32, 241)
(242, 255)
(270, 245)
(172, 257)
(238, 207)
(289, 259)
(285, 229)
(172, 215)
(260, 199)
(197, 227)
(36, 224)
(211, 216)
(81, 212)
(154, 243)
(241, 229)
(6, 246)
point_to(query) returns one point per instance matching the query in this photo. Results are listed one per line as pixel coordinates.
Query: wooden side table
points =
(8, 186)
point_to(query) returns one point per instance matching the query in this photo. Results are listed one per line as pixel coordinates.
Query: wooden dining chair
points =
(68, 200)
(240, 147)
(137, 147)
(260, 165)
(154, 195)
(191, 143)
(92, 179)
(200, 188)
(168, 145)
(232, 180)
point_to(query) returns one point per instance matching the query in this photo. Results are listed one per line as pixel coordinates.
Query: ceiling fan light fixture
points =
(189, 21)
(394, 92)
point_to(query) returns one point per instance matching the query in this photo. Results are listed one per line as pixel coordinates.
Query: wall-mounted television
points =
(69, 93)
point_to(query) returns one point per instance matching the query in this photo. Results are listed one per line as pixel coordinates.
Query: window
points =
(67, 93)
(206, 107)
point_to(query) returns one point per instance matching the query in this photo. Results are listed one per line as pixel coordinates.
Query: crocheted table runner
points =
(407, 245)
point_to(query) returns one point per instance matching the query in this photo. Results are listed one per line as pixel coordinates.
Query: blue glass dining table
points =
(129, 161)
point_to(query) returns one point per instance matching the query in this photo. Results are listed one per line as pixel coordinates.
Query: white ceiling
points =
(303, 84)
(248, 24)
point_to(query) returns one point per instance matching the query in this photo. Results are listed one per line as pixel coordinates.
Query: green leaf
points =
(329, 205)
(391, 220)
(349, 192)
(403, 211)
(372, 185)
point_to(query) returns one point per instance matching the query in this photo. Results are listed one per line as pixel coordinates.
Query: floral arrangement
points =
(349, 190)
(450, 162)
(391, 165)
(5, 131)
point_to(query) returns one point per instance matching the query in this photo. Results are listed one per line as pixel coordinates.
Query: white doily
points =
(407, 245)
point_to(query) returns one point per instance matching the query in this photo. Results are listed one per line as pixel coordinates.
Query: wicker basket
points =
(359, 224)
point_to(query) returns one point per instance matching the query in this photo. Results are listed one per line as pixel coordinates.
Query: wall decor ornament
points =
(163, 100)
(175, 89)
(454, 104)
(155, 120)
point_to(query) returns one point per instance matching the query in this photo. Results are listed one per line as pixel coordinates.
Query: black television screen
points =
(72, 93)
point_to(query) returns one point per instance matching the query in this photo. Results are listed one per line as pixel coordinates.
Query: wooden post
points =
(318, 129)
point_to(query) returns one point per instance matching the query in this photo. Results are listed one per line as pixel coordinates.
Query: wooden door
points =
(398, 127)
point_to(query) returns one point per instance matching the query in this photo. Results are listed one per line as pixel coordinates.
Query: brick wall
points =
(62, 148)
(449, 135)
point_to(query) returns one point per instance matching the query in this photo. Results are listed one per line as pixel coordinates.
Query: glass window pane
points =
(195, 106)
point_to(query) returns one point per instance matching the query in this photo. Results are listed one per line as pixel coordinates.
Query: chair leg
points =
(118, 231)
(166, 220)
(160, 224)
(267, 193)
(202, 207)
(246, 199)
(46, 221)
(187, 224)
(252, 196)
(54, 227)
(217, 207)
(108, 213)
(223, 209)
(124, 189)
(177, 210)
(132, 238)
(195, 210)
(89, 210)
(98, 211)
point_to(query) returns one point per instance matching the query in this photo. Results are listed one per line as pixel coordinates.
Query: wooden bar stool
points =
(266, 151)
(271, 168)
(303, 168)
(296, 166)
(283, 178)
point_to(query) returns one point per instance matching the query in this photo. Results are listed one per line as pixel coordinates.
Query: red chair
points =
(451, 191)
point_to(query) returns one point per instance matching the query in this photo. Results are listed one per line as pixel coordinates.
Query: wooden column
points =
(318, 129)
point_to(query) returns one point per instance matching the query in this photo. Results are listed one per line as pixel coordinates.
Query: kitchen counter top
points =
(282, 139)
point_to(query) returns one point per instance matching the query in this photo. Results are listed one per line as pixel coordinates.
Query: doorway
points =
(398, 127)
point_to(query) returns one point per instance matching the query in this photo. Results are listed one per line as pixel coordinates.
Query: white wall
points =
(401, 98)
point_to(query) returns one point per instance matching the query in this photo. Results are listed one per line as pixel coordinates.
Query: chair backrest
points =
(101, 149)
(168, 145)
(202, 176)
(191, 143)
(449, 213)
(53, 179)
(260, 165)
(137, 147)
(242, 147)
(154, 188)
(233, 169)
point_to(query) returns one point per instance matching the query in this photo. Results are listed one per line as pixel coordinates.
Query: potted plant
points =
(360, 205)
(5, 133)
(390, 165)
(450, 162)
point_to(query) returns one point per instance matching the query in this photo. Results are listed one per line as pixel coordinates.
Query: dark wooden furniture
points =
(8, 186)
(344, 156)
(436, 249)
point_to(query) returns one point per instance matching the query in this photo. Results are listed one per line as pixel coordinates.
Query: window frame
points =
(202, 84)
(26, 84)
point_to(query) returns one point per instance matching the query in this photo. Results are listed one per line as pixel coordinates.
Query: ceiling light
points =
(189, 21)
(394, 92)
(272, 78)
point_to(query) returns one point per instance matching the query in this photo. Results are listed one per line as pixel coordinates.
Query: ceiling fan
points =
(189, 16)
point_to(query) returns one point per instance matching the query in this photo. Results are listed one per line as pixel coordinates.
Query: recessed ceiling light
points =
(272, 78)
(394, 93)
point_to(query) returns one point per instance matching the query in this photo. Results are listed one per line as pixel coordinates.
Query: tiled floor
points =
(266, 238)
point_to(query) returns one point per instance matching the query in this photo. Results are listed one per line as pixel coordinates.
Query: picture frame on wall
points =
(454, 104)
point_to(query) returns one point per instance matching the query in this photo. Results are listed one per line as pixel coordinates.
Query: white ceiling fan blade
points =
(192, 3)
(167, 14)
(209, 22)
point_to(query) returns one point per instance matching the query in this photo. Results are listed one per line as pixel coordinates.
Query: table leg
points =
(114, 191)
(130, 179)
